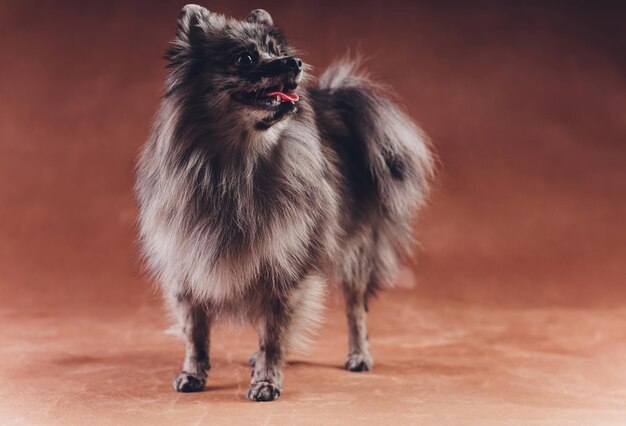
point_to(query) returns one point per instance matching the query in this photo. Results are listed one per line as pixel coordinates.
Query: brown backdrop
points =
(525, 104)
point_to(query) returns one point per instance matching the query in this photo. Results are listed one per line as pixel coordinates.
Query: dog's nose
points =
(294, 64)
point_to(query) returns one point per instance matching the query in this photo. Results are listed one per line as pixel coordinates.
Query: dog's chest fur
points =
(221, 226)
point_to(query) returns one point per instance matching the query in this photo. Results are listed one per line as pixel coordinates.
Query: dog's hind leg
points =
(359, 356)
(195, 327)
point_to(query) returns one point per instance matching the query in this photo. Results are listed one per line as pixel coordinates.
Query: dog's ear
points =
(193, 21)
(260, 16)
(192, 26)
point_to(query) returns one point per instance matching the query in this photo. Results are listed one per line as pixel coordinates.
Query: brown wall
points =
(526, 106)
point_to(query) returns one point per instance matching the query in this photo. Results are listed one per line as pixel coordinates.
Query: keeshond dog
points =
(253, 189)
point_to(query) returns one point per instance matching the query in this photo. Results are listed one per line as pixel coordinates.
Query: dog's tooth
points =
(277, 98)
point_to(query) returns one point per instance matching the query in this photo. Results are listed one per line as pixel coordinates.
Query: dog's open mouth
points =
(270, 98)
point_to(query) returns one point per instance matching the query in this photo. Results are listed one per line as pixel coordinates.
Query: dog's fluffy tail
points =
(395, 152)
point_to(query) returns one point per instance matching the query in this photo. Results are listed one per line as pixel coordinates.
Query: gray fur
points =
(244, 209)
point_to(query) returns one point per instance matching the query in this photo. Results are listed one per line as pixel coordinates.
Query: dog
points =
(253, 190)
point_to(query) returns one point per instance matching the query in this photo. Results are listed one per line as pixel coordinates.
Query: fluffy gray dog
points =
(252, 190)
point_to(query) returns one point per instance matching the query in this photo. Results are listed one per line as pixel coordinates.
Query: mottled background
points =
(525, 103)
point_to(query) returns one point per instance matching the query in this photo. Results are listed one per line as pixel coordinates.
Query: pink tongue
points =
(291, 97)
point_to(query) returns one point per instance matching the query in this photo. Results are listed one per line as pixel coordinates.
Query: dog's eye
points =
(244, 58)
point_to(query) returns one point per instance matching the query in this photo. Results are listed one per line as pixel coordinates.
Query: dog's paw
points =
(186, 382)
(359, 362)
(263, 391)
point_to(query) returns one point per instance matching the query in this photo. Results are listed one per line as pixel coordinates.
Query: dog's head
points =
(243, 71)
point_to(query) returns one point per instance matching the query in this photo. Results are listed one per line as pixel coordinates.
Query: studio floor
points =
(436, 363)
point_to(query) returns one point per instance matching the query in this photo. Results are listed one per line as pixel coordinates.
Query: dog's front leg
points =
(195, 328)
(267, 375)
